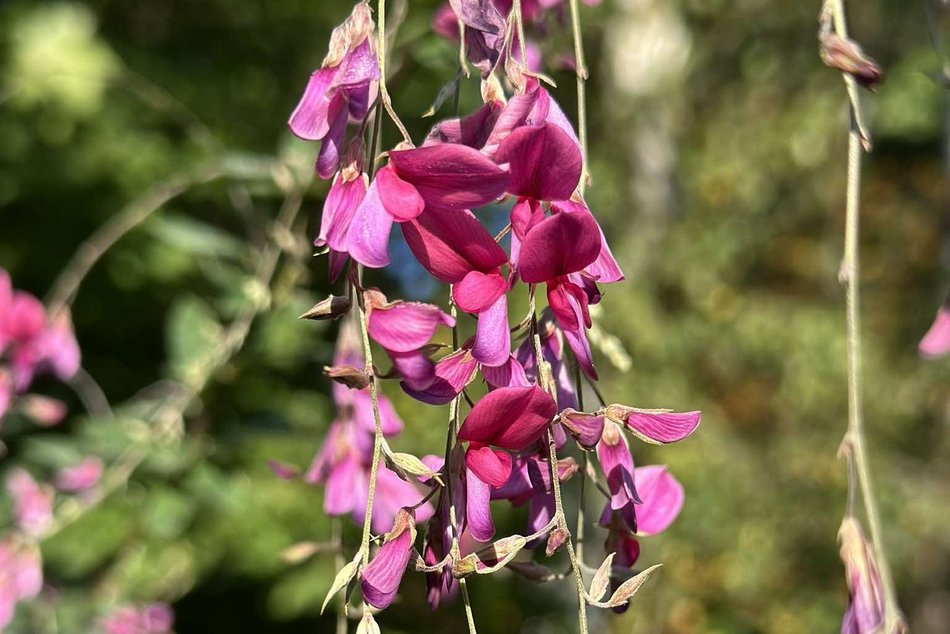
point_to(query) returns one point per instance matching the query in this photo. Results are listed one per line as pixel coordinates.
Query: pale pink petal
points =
(661, 498)
(936, 342)
(81, 476)
(363, 413)
(342, 480)
(32, 503)
(368, 238)
(43, 410)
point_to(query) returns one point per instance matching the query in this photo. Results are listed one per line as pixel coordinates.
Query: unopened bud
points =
(586, 429)
(351, 377)
(332, 307)
(555, 540)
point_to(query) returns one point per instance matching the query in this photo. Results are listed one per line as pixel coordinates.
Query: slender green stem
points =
(381, 58)
(561, 519)
(850, 276)
(338, 562)
(581, 72)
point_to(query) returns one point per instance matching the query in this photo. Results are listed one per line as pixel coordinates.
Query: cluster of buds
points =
(32, 342)
(513, 443)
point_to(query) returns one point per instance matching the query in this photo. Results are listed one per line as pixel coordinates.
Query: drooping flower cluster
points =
(518, 150)
(31, 343)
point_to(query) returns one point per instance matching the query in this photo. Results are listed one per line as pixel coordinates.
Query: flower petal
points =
(399, 197)
(545, 163)
(936, 342)
(558, 245)
(450, 176)
(478, 509)
(478, 291)
(492, 336)
(329, 157)
(406, 326)
(655, 427)
(661, 498)
(492, 466)
(452, 373)
(381, 578)
(509, 417)
(368, 238)
(310, 120)
(449, 244)
(338, 209)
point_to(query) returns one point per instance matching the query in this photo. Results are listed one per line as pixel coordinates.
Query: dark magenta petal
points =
(492, 466)
(338, 210)
(328, 160)
(381, 578)
(661, 499)
(399, 197)
(450, 176)
(368, 237)
(478, 509)
(558, 245)
(510, 374)
(472, 130)
(492, 336)
(406, 326)
(605, 267)
(509, 417)
(449, 244)
(545, 163)
(478, 291)
(310, 120)
(452, 374)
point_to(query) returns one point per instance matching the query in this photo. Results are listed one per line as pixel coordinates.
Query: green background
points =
(718, 152)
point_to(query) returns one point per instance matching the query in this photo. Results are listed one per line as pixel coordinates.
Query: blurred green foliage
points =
(718, 154)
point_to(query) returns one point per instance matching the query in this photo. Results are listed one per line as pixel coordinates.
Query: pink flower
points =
(381, 578)
(154, 618)
(507, 419)
(865, 613)
(81, 476)
(616, 462)
(346, 193)
(21, 576)
(341, 89)
(655, 426)
(936, 342)
(32, 502)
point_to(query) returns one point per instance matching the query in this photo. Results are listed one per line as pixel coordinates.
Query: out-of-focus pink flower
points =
(82, 476)
(865, 613)
(661, 499)
(42, 409)
(381, 578)
(32, 502)
(21, 575)
(6, 392)
(936, 342)
(154, 618)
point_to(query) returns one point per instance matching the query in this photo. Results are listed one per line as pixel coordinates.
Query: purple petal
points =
(509, 417)
(381, 578)
(310, 119)
(452, 373)
(478, 291)
(399, 197)
(415, 369)
(406, 326)
(586, 429)
(492, 466)
(510, 374)
(545, 163)
(492, 337)
(472, 130)
(661, 499)
(478, 509)
(338, 210)
(368, 238)
(517, 488)
(449, 176)
(936, 342)
(558, 245)
(478, 14)
(449, 244)
(359, 67)
(661, 427)
(328, 160)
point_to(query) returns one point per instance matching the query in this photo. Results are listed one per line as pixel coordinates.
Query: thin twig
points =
(850, 276)
(381, 44)
(581, 72)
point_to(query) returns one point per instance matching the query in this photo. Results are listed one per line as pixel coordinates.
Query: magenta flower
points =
(346, 193)
(655, 426)
(21, 575)
(343, 88)
(439, 383)
(400, 326)
(616, 462)
(381, 578)
(507, 419)
(936, 342)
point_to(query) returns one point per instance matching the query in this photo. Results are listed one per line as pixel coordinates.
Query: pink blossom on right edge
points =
(936, 342)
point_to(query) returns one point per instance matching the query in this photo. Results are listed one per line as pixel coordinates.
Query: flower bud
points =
(555, 540)
(586, 429)
(351, 377)
(846, 55)
(332, 307)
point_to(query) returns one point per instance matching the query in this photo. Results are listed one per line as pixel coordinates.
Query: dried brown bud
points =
(332, 307)
(351, 377)
(846, 55)
(555, 540)
(350, 34)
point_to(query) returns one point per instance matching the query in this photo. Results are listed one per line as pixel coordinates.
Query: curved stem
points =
(381, 60)
(850, 277)
(581, 67)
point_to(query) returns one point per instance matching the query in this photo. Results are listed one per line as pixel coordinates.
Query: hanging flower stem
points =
(581, 71)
